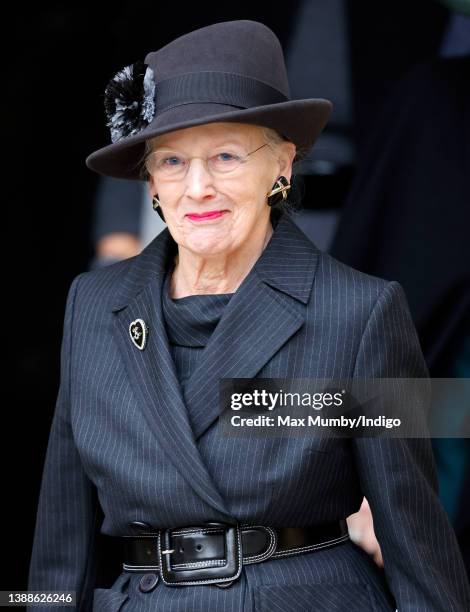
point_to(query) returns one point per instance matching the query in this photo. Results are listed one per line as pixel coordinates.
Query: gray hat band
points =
(216, 87)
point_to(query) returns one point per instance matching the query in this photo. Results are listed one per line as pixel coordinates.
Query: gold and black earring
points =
(157, 208)
(279, 191)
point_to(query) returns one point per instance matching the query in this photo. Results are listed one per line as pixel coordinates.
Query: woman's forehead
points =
(209, 134)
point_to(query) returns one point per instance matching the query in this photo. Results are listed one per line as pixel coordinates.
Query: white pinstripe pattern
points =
(122, 447)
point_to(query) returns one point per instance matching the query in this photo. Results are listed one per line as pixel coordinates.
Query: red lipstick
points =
(214, 214)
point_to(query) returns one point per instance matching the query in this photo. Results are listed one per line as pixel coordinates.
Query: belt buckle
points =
(228, 572)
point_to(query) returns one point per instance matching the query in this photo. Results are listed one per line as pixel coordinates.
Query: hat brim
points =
(299, 120)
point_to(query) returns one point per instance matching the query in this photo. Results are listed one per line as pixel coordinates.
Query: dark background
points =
(58, 63)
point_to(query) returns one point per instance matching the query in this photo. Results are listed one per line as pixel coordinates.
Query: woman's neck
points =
(219, 274)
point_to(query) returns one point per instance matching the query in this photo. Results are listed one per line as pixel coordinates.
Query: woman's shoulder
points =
(101, 285)
(352, 294)
(346, 280)
(330, 273)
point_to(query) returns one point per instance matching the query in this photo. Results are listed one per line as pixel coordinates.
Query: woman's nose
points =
(199, 180)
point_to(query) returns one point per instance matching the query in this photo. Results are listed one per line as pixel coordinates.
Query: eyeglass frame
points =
(243, 160)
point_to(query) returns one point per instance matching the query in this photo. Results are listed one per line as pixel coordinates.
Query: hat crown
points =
(243, 47)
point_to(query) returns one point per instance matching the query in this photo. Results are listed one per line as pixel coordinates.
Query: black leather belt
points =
(214, 553)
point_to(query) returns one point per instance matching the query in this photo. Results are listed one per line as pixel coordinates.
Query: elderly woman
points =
(230, 289)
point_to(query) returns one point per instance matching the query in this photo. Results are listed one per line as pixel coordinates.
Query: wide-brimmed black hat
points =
(229, 71)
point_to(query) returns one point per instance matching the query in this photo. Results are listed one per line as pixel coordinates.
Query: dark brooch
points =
(129, 100)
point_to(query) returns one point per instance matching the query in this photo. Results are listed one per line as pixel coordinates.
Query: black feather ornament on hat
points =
(129, 100)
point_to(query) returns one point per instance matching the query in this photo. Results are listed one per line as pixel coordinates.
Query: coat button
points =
(148, 582)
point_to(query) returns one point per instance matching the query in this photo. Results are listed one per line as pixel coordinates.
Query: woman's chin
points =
(209, 239)
(211, 245)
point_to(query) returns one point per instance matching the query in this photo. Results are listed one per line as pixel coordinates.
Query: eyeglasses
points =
(167, 164)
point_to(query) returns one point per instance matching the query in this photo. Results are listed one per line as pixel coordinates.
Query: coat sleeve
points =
(422, 561)
(68, 515)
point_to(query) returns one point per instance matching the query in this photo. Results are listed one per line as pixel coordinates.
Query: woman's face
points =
(239, 195)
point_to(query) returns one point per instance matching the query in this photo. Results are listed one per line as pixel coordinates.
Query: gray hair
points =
(273, 138)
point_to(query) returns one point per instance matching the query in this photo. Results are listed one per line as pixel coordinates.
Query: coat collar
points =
(265, 311)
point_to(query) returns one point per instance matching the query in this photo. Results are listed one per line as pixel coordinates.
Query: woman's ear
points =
(151, 186)
(286, 158)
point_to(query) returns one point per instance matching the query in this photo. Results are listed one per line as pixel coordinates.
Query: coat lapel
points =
(152, 372)
(265, 311)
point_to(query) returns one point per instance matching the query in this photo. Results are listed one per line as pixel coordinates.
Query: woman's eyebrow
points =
(233, 141)
(223, 143)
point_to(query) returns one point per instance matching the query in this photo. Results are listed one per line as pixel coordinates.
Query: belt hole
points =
(198, 546)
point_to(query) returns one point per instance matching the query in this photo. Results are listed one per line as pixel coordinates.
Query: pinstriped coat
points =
(122, 449)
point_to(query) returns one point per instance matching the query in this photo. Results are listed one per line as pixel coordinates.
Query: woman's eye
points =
(226, 156)
(171, 161)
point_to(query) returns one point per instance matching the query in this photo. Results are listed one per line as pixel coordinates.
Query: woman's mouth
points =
(215, 214)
